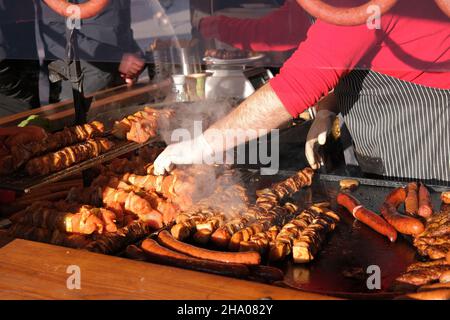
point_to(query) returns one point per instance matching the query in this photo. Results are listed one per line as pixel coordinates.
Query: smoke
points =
(188, 114)
(217, 187)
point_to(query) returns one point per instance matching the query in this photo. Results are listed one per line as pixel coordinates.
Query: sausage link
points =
(159, 254)
(248, 258)
(366, 216)
(401, 223)
(86, 10)
(396, 197)
(412, 199)
(425, 206)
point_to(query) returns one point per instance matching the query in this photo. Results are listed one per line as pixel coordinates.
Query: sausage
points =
(88, 9)
(412, 199)
(402, 223)
(135, 253)
(396, 197)
(248, 258)
(366, 216)
(425, 206)
(160, 254)
(345, 16)
(20, 136)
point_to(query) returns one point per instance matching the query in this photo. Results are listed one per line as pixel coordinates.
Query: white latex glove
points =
(197, 16)
(317, 136)
(196, 151)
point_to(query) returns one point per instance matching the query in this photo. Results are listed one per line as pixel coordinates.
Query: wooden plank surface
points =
(31, 270)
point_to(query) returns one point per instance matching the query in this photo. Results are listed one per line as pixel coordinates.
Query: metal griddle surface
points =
(340, 269)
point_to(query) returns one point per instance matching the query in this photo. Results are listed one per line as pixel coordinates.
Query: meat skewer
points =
(67, 157)
(304, 235)
(55, 237)
(310, 241)
(58, 140)
(78, 219)
(111, 243)
(267, 200)
(141, 126)
(262, 230)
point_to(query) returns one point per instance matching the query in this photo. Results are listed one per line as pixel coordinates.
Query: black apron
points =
(400, 129)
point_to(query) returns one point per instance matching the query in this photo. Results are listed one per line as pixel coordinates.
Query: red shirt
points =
(413, 45)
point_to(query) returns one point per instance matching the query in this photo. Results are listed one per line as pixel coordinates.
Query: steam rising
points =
(216, 187)
(186, 114)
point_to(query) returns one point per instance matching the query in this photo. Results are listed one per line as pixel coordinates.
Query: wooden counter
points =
(31, 270)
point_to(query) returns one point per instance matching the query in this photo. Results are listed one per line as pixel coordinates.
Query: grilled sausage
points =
(135, 253)
(425, 206)
(159, 254)
(396, 197)
(402, 223)
(88, 9)
(412, 199)
(366, 216)
(249, 258)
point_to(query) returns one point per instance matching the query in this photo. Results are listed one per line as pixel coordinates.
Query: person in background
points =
(281, 30)
(19, 65)
(392, 87)
(106, 47)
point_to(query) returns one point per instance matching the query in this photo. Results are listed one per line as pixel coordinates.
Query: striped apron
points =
(399, 129)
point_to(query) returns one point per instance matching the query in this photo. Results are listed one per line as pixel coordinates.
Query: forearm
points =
(261, 112)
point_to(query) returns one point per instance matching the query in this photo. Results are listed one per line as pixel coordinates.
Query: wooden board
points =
(31, 270)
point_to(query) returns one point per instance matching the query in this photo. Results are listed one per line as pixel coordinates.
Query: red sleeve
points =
(281, 30)
(329, 53)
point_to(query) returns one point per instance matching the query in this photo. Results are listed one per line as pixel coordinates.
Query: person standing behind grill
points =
(106, 47)
(392, 87)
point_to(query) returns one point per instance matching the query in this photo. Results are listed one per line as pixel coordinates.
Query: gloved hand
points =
(197, 16)
(196, 151)
(317, 136)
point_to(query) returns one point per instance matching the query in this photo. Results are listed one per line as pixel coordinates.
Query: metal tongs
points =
(69, 69)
